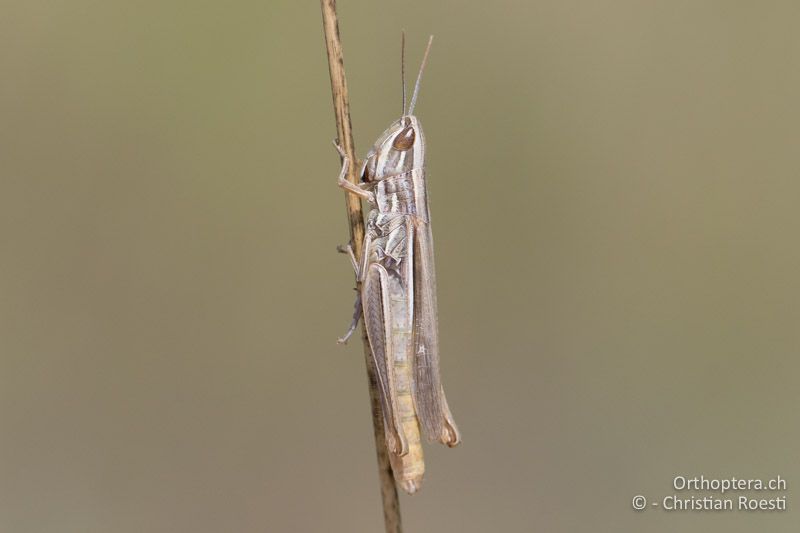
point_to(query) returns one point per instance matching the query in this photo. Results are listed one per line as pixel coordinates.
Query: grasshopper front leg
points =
(345, 184)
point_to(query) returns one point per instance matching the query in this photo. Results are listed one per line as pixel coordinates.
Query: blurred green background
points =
(614, 187)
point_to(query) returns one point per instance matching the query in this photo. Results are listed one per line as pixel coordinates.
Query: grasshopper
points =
(398, 291)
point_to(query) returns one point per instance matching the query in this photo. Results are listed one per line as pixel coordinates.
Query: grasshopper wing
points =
(432, 409)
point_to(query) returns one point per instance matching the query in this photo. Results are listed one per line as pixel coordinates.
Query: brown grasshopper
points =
(398, 292)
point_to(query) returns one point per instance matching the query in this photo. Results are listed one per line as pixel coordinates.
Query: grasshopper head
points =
(400, 149)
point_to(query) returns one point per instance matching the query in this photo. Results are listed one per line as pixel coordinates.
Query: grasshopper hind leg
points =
(450, 435)
(378, 318)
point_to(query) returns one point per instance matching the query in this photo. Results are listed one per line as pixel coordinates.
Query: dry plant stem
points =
(341, 106)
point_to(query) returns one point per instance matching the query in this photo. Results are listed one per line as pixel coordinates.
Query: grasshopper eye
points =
(404, 139)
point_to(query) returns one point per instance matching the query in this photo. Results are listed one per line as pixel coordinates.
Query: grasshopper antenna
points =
(419, 76)
(403, 66)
